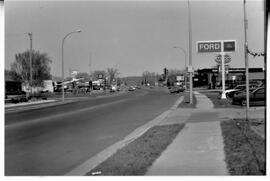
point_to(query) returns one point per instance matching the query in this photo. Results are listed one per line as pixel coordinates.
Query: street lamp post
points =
(246, 60)
(63, 91)
(190, 54)
(185, 61)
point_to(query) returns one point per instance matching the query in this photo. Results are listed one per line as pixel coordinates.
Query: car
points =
(176, 89)
(256, 97)
(230, 92)
(131, 88)
(113, 88)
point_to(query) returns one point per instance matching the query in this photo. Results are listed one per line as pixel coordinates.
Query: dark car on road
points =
(177, 89)
(256, 97)
(131, 88)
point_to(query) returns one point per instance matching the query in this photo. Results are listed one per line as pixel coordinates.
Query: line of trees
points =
(20, 69)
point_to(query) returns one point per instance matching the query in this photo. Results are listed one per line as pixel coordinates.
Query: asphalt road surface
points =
(54, 140)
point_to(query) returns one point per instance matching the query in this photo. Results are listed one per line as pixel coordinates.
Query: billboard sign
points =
(208, 46)
(229, 45)
(216, 46)
(180, 78)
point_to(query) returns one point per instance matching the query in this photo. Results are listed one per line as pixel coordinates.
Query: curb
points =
(35, 106)
(55, 102)
(94, 161)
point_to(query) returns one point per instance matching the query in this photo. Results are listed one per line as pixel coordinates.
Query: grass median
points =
(139, 155)
(244, 149)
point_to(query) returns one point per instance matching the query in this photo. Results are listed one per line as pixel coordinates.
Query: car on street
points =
(256, 97)
(176, 89)
(113, 88)
(131, 88)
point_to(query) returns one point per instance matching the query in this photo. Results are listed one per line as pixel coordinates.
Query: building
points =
(211, 77)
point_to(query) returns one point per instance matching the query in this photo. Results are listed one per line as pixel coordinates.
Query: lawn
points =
(244, 149)
(185, 102)
(219, 103)
(139, 155)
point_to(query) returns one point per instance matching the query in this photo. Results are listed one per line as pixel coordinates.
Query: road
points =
(54, 140)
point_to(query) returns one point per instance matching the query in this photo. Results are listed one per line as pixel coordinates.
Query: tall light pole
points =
(63, 79)
(185, 61)
(246, 60)
(190, 55)
(30, 57)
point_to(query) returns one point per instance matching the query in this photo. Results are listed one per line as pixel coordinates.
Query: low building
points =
(211, 77)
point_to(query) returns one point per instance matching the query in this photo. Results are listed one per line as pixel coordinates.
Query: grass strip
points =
(185, 102)
(219, 103)
(244, 149)
(136, 157)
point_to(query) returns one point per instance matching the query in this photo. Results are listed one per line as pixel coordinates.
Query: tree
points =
(40, 67)
(112, 73)
(85, 76)
(11, 76)
(150, 77)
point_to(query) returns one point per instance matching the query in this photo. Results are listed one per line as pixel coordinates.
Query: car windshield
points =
(240, 87)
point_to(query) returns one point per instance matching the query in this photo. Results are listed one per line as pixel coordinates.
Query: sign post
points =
(221, 46)
(223, 96)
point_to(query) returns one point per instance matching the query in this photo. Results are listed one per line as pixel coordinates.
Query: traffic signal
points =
(165, 71)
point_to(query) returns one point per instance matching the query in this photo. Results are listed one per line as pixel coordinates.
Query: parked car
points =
(256, 97)
(177, 89)
(230, 92)
(16, 97)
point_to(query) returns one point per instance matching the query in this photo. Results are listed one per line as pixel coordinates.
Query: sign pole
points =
(223, 96)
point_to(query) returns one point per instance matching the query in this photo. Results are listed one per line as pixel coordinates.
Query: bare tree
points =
(112, 73)
(40, 67)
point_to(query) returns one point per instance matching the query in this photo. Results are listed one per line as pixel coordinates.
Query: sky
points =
(132, 36)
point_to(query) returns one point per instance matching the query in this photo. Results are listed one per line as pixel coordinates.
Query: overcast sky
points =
(133, 36)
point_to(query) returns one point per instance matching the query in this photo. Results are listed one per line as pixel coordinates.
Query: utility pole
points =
(246, 61)
(190, 55)
(90, 64)
(30, 57)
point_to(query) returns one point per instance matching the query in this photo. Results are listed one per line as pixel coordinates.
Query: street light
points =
(63, 91)
(190, 55)
(185, 61)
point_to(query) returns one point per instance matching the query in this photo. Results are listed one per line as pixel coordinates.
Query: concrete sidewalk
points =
(198, 149)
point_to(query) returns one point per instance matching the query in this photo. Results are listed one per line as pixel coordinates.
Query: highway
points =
(54, 140)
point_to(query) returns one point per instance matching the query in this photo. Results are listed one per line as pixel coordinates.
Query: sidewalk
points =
(198, 149)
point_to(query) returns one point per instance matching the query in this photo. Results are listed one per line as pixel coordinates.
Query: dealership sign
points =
(216, 46)
(229, 46)
(208, 46)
